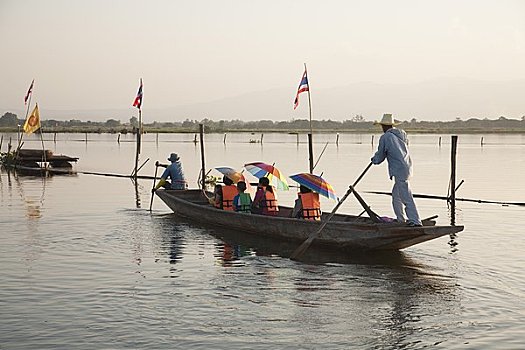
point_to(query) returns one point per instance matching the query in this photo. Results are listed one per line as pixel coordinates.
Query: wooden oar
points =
(370, 212)
(153, 188)
(306, 244)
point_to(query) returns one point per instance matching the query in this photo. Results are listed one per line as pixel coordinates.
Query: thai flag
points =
(303, 86)
(138, 100)
(29, 92)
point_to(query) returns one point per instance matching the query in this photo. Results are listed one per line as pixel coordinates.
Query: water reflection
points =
(137, 193)
(229, 255)
(32, 203)
(170, 241)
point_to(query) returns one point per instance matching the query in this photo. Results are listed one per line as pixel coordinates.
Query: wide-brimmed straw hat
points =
(387, 120)
(173, 157)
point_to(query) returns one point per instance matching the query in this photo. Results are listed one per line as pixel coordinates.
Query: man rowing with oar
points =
(393, 145)
(175, 173)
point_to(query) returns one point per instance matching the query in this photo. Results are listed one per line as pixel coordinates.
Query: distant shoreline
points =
(357, 125)
(282, 131)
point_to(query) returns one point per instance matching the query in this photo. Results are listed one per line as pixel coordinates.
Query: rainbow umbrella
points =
(315, 183)
(231, 173)
(260, 169)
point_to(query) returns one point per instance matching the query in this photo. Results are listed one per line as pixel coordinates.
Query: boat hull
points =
(343, 232)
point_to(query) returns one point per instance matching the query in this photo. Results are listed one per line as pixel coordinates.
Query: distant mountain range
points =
(436, 99)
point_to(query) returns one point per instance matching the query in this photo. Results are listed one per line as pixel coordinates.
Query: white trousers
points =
(402, 201)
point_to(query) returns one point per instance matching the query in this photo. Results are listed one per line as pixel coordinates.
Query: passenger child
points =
(265, 201)
(242, 202)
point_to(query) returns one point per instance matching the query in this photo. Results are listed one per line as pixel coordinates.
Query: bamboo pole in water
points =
(203, 169)
(452, 198)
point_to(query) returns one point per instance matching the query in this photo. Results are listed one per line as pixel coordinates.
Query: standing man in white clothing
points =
(393, 147)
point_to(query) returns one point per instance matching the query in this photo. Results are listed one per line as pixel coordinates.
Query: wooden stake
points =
(203, 169)
(452, 198)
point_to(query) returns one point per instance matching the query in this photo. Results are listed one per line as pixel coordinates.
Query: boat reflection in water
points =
(388, 293)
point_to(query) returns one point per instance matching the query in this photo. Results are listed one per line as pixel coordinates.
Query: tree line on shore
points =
(9, 122)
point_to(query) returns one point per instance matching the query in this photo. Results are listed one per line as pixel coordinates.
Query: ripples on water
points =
(83, 267)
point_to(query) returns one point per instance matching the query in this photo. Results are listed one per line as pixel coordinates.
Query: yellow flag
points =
(32, 123)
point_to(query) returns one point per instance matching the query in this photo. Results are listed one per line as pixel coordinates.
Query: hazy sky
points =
(91, 54)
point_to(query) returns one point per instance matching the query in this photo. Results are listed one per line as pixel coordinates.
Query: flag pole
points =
(43, 147)
(310, 135)
(27, 113)
(139, 132)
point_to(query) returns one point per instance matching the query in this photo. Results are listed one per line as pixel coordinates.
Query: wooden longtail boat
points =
(38, 162)
(343, 232)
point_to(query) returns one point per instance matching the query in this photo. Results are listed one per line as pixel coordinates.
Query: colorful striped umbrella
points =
(231, 173)
(316, 184)
(260, 169)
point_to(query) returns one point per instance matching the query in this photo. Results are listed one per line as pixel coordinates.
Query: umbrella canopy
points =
(260, 169)
(231, 173)
(316, 184)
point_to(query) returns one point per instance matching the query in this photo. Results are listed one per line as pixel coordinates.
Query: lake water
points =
(85, 265)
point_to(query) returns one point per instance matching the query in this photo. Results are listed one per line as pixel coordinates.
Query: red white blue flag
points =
(138, 100)
(29, 91)
(303, 86)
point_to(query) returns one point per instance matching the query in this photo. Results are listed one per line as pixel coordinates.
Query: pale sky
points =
(91, 54)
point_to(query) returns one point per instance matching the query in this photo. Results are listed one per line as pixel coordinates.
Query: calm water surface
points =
(85, 265)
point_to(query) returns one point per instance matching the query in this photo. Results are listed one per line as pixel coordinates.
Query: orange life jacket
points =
(270, 205)
(311, 206)
(228, 193)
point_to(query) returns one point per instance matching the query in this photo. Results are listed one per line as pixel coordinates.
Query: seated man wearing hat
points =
(393, 145)
(175, 173)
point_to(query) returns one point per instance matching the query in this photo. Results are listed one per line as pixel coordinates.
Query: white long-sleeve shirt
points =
(393, 147)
